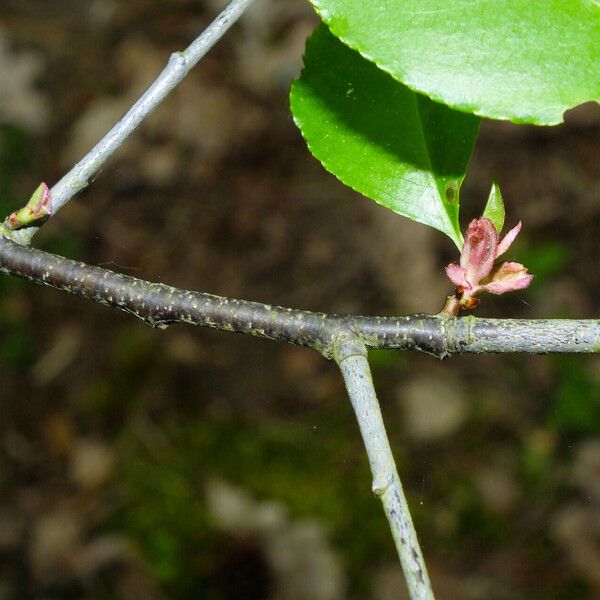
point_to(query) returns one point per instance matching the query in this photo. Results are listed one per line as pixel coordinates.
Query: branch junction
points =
(160, 305)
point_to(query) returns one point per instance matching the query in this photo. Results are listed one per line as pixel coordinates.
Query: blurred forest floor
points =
(185, 463)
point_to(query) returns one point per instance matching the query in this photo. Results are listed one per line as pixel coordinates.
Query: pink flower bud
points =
(476, 271)
(479, 250)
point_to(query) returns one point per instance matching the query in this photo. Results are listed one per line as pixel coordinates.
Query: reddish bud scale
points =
(38, 208)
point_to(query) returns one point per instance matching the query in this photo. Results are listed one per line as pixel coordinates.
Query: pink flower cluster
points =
(476, 271)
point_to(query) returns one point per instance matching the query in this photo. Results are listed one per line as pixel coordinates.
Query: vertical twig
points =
(352, 360)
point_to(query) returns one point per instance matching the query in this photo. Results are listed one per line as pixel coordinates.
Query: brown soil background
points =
(194, 464)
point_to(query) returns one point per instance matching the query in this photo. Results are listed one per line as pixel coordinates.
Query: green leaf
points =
(523, 60)
(494, 208)
(394, 146)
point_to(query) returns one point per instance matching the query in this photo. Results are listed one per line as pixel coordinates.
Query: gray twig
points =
(351, 356)
(179, 65)
(161, 305)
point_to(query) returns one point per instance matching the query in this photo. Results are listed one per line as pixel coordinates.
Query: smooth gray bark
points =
(351, 357)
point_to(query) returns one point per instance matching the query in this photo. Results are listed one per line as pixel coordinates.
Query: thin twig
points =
(161, 305)
(179, 65)
(352, 360)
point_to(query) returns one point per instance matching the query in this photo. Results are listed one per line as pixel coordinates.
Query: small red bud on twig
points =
(37, 209)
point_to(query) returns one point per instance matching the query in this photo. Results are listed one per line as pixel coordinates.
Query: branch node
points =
(178, 60)
(448, 336)
(346, 343)
(381, 487)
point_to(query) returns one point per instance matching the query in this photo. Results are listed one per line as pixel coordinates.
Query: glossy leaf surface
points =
(377, 136)
(523, 60)
(494, 208)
